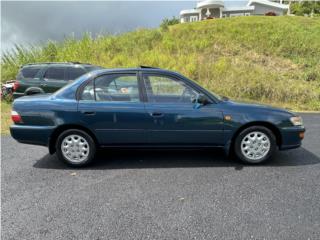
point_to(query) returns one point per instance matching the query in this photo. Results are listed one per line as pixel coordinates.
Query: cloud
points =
(36, 22)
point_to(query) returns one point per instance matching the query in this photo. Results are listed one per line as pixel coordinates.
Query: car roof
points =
(56, 63)
(141, 68)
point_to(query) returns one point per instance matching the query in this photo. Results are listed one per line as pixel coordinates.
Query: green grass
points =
(5, 117)
(273, 60)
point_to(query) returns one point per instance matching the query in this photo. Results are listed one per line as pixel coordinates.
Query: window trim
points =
(93, 78)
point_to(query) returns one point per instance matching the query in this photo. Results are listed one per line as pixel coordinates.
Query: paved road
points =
(162, 195)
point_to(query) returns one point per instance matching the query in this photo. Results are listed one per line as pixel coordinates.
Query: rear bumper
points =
(36, 135)
(291, 137)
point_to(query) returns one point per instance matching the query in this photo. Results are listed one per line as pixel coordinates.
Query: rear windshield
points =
(28, 72)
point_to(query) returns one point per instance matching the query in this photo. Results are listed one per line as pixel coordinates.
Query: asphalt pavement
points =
(161, 194)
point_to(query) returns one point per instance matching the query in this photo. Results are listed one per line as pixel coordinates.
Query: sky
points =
(34, 23)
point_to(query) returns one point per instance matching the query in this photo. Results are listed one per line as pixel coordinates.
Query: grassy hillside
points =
(273, 60)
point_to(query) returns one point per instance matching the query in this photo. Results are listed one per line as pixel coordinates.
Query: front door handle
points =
(43, 84)
(156, 114)
(88, 113)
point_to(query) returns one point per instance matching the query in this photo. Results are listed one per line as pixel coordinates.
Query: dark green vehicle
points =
(48, 77)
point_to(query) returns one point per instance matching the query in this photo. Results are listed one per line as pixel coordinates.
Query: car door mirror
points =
(200, 100)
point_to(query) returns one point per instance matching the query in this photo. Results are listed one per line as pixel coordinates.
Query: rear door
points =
(54, 78)
(112, 106)
(174, 119)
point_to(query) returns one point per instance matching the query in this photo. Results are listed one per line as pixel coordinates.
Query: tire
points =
(75, 147)
(255, 145)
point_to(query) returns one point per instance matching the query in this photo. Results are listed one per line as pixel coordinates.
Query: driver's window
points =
(164, 89)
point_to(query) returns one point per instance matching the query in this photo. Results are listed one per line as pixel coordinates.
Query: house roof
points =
(234, 9)
(189, 11)
(210, 3)
(269, 3)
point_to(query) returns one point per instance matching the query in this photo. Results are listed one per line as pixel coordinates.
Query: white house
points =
(208, 9)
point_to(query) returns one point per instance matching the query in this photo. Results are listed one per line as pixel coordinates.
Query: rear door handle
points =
(157, 114)
(88, 113)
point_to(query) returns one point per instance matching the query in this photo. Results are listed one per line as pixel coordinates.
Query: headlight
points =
(296, 121)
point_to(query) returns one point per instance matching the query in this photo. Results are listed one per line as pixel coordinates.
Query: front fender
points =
(241, 121)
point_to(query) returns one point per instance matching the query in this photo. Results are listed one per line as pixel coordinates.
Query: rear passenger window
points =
(74, 72)
(29, 72)
(113, 88)
(55, 73)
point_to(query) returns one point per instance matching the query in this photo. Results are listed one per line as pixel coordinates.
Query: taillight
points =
(16, 84)
(16, 118)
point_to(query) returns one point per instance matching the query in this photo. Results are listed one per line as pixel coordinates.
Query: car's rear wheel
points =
(255, 144)
(75, 147)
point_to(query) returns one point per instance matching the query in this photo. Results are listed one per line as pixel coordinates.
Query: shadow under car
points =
(139, 159)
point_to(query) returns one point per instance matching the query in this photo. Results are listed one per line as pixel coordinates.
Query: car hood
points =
(255, 107)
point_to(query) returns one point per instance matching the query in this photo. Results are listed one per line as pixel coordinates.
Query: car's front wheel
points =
(75, 147)
(255, 144)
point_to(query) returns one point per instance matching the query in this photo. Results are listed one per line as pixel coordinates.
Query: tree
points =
(302, 8)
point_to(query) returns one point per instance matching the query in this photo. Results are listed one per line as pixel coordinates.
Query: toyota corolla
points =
(149, 108)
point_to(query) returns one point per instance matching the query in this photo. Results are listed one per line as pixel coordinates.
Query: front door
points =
(174, 118)
(111, 106)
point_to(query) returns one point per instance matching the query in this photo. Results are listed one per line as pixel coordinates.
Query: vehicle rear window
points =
(55, 73)
(74, 72)
(29, 72)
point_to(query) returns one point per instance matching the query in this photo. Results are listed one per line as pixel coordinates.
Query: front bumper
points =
(37, 135)
(291, 137)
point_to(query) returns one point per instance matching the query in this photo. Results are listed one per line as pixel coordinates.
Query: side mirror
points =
(200, 100)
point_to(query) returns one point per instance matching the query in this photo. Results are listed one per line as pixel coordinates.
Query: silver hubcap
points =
(75, 148)
(255, 145)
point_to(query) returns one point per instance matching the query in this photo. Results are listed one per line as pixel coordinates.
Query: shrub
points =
(168, 22)
(302, 8)
(271, 14)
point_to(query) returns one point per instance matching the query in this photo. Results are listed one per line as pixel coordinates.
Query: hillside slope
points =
(267, 59)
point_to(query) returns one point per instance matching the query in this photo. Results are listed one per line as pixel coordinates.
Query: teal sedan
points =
(149, 108)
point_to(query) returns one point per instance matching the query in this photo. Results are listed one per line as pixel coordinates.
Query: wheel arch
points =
(62, 128)
(268, 125)
(33, 90)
